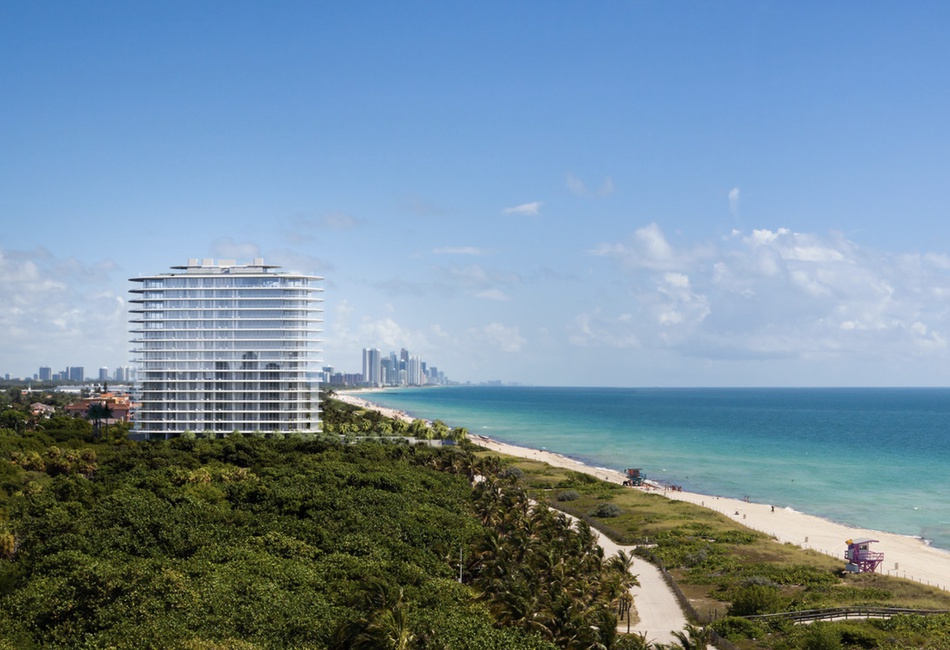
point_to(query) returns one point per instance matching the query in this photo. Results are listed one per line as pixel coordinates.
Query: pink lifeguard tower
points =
(860, 558)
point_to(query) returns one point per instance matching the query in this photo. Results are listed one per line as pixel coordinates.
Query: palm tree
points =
(97, 412)
(387, 624)
(694, 637)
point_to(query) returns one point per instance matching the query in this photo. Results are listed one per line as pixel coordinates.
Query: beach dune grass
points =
(713, 558)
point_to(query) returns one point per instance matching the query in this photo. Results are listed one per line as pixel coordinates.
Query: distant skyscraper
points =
(76, 373)
(46, 373)
(393, 379)
(103, 374)
(371, 366)
(224, 347)
(415, 371)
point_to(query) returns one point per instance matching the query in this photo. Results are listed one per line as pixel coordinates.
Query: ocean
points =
(876, 458)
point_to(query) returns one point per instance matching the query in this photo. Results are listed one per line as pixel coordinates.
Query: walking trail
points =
(654, 602)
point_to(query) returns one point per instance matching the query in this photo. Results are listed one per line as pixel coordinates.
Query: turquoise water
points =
(873, 458)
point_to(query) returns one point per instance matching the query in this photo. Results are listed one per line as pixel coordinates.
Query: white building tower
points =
(371, 367)
(225, 347)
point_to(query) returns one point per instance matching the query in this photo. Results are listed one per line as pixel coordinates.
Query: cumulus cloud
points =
(501, 337)
(349, 334)
(529, 209)
(648, 248)
(777, 293)
(578, 187)
(58, 312)
(594, 328)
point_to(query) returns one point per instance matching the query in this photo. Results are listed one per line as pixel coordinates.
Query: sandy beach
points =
(904, 556)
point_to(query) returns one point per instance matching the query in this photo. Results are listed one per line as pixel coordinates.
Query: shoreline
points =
(904, 556)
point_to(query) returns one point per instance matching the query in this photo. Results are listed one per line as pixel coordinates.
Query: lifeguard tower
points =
(860, 558)
(634, 477)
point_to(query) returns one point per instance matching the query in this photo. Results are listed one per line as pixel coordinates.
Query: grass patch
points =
(717, 562)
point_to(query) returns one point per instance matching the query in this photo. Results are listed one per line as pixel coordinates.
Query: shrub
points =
(755, 599)
(737, 629)
(822, 636)
(512, 473)
(606, 510)
(568, 495)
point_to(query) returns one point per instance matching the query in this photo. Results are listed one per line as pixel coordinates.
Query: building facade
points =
(371, 367)
(225, 347)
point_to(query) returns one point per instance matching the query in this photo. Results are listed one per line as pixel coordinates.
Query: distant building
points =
(103, 374)
(119, 405)
(226, 347)
(38, 409)
(76, 373)
(371, 367)
(46, 373)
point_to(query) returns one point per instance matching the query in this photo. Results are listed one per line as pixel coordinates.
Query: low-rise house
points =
(40, 410)
(118, 405)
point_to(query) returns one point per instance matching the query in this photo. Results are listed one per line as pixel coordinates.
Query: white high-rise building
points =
(226, 347)
(371, 366)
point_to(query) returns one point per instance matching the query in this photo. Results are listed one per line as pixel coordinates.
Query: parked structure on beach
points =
(225, 347)
(635, 477)
(860, 558)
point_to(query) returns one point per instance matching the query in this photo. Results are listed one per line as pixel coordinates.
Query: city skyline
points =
(624, 194)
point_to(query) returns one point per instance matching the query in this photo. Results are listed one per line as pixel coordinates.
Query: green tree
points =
(694, 637)
(98, 412)
(419, 429)
(440, 430)
(13, 418)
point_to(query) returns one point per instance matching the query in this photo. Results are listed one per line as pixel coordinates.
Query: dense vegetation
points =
(247, 542)
(326, 542)
(729, 572)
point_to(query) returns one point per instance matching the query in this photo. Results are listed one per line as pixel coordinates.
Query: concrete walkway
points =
(654, 602)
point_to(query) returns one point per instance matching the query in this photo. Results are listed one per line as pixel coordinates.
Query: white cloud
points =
(594, 329)
(501, 337)
(228, 248)
(305, 229)
(493, 294)
(459, 250)
(59, 312)
(648, 248)
(734, 200)
(386, 333)
(778, 294)
(578, 187)
(529, 209)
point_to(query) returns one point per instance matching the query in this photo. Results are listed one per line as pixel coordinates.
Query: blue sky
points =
(616, 193)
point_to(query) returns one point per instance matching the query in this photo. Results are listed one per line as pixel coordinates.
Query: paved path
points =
(655, 603)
